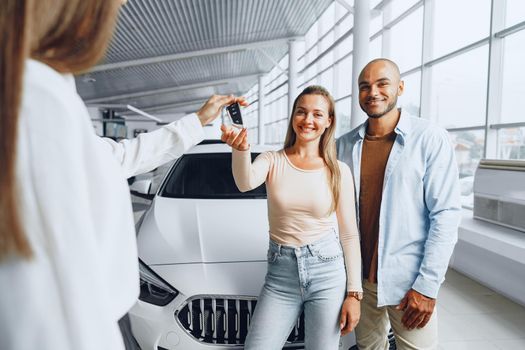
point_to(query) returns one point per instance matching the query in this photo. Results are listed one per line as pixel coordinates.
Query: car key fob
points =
(235, 114)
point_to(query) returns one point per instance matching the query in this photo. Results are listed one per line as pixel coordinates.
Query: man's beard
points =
(390, 107)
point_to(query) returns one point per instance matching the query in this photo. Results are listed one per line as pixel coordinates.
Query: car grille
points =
(225, 320)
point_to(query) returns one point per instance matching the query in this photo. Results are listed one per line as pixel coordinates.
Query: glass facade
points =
(466, 78)
(458, 89)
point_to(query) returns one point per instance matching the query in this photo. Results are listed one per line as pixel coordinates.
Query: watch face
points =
(357, 295)
(235, 113)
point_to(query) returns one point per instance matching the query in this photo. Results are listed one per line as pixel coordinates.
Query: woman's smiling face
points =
(311, 117)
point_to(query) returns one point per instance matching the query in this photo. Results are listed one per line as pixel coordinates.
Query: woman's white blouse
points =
(75, 208)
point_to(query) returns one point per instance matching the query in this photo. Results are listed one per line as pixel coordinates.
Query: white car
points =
(203, 247)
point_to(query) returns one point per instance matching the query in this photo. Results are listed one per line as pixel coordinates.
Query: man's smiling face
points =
(379, 87)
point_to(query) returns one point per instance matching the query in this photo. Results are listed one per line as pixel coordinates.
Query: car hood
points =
(185, 231)
(241, 278)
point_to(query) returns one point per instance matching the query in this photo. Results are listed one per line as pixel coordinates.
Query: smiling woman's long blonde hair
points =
(68, 35)
(327, 148)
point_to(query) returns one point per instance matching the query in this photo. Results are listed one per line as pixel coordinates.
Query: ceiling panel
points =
(175, 73)
(156, 28)
(161, 27)
(145, 102)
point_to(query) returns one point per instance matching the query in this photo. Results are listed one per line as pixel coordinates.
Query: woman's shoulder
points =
(272, 154)
(343, 166)
(49, 96)
(346, 173)
(42, 79)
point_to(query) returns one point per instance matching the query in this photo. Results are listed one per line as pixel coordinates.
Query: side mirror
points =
(141, 188)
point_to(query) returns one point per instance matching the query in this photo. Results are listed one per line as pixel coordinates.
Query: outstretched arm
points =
(150, 150)
(247, 175)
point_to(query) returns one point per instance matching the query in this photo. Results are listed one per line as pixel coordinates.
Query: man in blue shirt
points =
(407, 189)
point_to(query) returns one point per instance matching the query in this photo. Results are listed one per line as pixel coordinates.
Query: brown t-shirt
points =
(373, 163)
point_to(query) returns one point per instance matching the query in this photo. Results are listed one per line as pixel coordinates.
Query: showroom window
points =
(513, 88)
(398, 7)
(343, 107)
(410, 100)
(250, 114)
(468, 145)
(406, 40)
(451, 31)
(515, 12)
(511, 143)
(343, 78)
(375, 49)
(459, 89)
(445, 66)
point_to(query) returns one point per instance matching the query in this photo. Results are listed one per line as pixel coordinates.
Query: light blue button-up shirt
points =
(420, 207)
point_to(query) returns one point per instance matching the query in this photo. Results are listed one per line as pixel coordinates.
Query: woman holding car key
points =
(312, 266)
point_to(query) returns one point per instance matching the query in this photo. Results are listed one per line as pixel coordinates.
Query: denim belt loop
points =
(311, 249)
(335, 232)
(279, 246)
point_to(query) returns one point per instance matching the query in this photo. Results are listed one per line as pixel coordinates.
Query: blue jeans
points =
(312, 279)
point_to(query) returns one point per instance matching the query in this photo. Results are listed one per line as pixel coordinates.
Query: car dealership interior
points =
(461, 64)
(203, 245)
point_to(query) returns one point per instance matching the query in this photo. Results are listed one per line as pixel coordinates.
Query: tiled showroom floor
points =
(471, 316)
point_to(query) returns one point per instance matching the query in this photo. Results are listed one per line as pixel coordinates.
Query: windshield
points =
(207, 175)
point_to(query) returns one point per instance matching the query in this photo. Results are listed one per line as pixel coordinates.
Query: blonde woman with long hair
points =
(68, 256)
(314, 259)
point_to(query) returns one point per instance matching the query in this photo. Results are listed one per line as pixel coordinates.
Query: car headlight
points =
(153, 289)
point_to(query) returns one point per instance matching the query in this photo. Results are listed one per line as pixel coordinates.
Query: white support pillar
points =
(386, 43)
(337, 67)
(494, 80)
(425, 101)
(261, 119)
(293, 57)
(360, 53)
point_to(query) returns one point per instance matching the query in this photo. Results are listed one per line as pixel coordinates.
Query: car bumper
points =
(176, 325)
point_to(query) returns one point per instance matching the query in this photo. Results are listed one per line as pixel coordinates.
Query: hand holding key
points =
(236, 139)
(213, 107)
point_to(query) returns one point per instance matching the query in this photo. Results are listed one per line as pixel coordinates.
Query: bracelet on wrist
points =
(356, 295)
